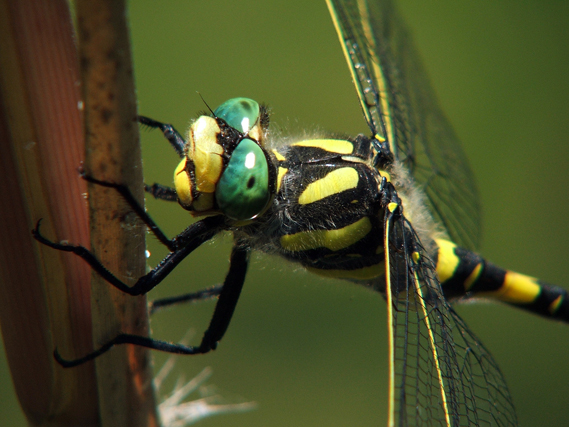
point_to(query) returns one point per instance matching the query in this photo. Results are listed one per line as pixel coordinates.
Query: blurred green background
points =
(309, 351)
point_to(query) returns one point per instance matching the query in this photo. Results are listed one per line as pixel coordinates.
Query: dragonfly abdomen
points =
(465, 274)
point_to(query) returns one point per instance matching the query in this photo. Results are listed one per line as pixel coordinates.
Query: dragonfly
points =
(440, 372)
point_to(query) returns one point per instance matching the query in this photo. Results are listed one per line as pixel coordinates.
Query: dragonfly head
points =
(226, 168)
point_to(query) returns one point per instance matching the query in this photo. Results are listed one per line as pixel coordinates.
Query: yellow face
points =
(225, 169)
(197, 174)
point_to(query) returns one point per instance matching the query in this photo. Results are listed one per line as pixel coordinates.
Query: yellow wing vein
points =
(433, 344)
(390, 331)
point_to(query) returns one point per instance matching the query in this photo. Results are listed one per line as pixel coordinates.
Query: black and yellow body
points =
(465, 274)
(380, 211)
(327, 212)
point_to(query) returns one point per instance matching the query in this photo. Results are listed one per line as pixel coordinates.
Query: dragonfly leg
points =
(162, 192)
(171, 134)
(220, 320)
(189, 239)
(201, 295)
(126, 194)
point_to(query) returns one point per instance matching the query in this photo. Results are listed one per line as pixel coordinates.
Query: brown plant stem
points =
(45, 297)
(113, 154)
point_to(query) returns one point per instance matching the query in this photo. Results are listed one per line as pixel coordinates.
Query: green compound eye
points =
(243, 189)
(239, 113)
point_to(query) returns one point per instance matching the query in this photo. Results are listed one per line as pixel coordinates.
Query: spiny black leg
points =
(162, 192)
(128, 339)
(189, 239)
(83, 253)
(227, 298)
(171, 134)
(204, 294)
(219, 322)
(124, 191)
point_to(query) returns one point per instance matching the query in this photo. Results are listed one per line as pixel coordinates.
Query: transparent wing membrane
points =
(442, 374)
(400, 105)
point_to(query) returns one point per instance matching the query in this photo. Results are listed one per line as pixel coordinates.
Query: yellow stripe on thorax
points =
(335, 182)
(282, 172)
(334, 240)
(331, 145)
(279, 156)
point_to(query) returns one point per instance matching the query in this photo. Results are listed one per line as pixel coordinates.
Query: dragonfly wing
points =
(400, 106)
(440, 373)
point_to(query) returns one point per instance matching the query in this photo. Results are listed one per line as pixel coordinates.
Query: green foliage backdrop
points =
(310, 351)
